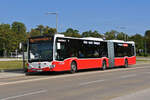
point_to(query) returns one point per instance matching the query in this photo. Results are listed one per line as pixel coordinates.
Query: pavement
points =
(11, 74)
(112, 84)
(9, 59)
(143, 58)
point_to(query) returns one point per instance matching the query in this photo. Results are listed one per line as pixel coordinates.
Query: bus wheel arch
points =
(73, 66)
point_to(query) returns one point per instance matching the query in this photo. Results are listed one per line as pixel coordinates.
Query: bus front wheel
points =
(73, 67)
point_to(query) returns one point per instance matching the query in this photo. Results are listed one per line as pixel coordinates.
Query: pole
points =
(23, 58)
(56, 23)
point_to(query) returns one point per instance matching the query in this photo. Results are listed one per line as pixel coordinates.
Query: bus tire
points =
(73, 67)
(104, 65)
(126, 63)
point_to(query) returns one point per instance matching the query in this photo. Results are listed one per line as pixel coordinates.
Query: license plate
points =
(39, 70)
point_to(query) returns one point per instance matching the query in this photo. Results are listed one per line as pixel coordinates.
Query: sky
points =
(129, 16)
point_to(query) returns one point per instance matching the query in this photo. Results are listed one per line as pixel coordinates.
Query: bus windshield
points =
(41, 51)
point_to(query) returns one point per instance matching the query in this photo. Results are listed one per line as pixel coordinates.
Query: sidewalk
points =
(11, 74)
(143, 58)
(9, 59)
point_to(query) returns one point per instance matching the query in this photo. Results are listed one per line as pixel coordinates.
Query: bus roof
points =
(84, 38)
(121, 41)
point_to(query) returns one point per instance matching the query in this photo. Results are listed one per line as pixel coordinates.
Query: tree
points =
(91, 34)
(7, 39)
(42, 30)
(18, 28)
(19, 31)
(111, 35)
(121, 36)
(147, 40)
(71, 33)
(34, 32)
(147, 34)
(49, 31)
(139, 42)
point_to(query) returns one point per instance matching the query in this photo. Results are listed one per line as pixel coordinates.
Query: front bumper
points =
(39, 69)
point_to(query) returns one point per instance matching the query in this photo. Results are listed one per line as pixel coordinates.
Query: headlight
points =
(29, 67)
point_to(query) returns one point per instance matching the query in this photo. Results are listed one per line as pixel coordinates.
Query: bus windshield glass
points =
(41, 51)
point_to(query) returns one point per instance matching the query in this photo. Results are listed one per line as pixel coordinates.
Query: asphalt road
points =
(111, 84)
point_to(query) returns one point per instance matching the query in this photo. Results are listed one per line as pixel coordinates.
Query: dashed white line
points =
(139, 95)
(127, 76)
(91, 82)
(22, 95)
(147, 72)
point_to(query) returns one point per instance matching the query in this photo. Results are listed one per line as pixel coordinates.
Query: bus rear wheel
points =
(73, 67)
(104, 65)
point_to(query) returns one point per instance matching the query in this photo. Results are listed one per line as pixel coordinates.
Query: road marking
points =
(147, 72)
(69, 75)
(139, 95)
(26, 94)
(127, 76)
(91, 82)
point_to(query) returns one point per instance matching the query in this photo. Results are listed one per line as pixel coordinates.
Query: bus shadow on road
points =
(68, 72)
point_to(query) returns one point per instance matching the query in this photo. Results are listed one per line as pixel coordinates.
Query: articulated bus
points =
(60, 53)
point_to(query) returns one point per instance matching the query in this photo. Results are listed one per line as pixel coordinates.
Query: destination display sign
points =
(40, 39)
(125, 45)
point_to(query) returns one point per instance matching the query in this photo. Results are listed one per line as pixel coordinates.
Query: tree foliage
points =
(121, 36)
(92, 34)
(12, 34)
(42, 30)
(147, 40)
(139, 42)
(111, 35)
(71, 33)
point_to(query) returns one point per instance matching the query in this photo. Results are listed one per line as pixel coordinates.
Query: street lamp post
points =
(54, 13)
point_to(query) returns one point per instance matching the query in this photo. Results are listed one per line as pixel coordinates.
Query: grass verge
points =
(11, 65)
(142, 61)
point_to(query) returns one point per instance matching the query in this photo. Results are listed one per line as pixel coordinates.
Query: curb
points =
(12, 70)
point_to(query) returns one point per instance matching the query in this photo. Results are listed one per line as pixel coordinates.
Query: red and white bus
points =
(60, 53)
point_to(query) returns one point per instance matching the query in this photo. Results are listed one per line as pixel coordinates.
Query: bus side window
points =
(81, 55)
